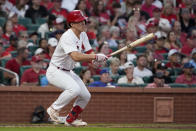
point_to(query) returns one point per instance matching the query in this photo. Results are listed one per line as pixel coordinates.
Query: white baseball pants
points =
(72, 85)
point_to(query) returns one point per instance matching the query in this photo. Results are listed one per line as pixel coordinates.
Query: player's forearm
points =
(81, 57)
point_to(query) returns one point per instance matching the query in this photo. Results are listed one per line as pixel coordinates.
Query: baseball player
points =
(73, 47)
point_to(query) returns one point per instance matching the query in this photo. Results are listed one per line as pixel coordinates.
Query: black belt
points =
(60, 68)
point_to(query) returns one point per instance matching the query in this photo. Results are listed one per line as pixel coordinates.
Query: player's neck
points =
(76, 32)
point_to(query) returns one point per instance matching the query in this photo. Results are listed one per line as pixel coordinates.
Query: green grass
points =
(85, 129)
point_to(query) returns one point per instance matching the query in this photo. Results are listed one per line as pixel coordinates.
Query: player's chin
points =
(84, 29)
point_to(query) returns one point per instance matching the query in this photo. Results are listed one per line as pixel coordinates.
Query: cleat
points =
(67, 124)
(78, 122)
(53, 115)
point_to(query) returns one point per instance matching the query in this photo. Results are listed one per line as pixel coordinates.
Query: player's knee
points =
(87, 97)
(74, 91)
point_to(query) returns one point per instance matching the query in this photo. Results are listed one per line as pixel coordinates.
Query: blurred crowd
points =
(30, 31)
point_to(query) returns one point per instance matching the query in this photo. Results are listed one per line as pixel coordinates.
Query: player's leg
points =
(62, 80)
(80, 103)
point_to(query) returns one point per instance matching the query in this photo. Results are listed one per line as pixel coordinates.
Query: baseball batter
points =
(73, 47)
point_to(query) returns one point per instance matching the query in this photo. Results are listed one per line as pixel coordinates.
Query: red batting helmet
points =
(75, 16)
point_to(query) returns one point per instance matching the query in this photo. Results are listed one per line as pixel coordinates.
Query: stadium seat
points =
(194, 71)
(1, 77)
(135, 62)
(147, 79)
(107, 63)
(114, 48)
(41, 21)
(140, 49)
(5, 46)
(40, 77)
(121, 72)
(91, 41)
(141, 85)
(14, 54)
(2, 21)
(173, 78)
(192, 85)
(175, 72)
(32, 49)
(33, 27)
(3, 62)
(47, 60)
(24, 21)
(105, 68)
(115, 78)
(177, 85)
(138, 54)
(96, 77)
(78, 70)
(126, 85)
(165, 55)
(178, 71)
(23, 68)
(165, 61)
(47, 35)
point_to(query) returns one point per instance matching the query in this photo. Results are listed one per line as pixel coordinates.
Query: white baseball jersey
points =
(71, 83)
(68, 43)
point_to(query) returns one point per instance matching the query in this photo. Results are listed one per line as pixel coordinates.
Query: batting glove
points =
(100, 57)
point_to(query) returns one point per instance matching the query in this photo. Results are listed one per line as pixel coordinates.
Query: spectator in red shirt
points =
(92, 28)
(168, 13)
(159, 45)
(81, 5)
(48, 4)
(187, 77)
(172, 42)
(1, 49)
(159, 81)
(16, 27)
(41, 54)
(13, 46)
(152, 26)
(100, 12)
(148, 7)
(57, 10)
(163, 24)
(15, 64)
(190, 45)
(180, 36)
(30, 76)
(8, 30)
(173, 56)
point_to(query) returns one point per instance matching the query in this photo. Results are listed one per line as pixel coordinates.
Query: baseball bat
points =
(133, 44)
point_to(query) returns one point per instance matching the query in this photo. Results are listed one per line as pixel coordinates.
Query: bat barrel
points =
(135, 43)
